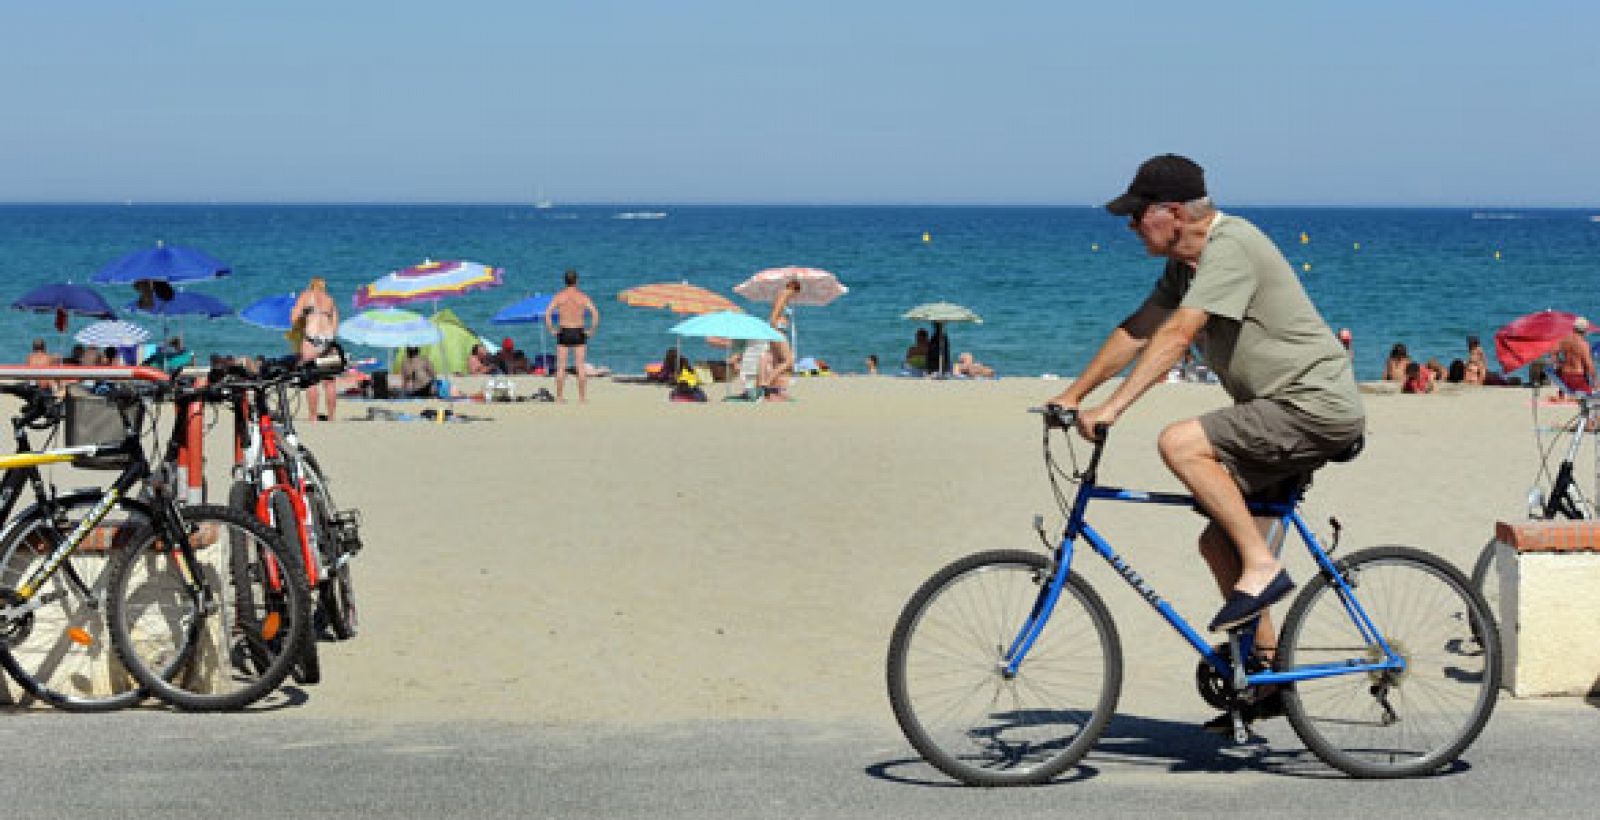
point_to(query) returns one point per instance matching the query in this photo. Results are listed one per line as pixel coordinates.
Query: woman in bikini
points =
(316, 316)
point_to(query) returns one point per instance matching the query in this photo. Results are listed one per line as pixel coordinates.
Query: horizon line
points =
(753, 203)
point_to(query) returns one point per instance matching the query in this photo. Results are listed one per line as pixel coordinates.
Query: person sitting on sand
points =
(1419, 379)
(917, 353)
(39, 356)
(1395, 369)
(416, 374)
(479, 362)
(1574, 360)
(872, 364)
(972, 368)
(1457, 373)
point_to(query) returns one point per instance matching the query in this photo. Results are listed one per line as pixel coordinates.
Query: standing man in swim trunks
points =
(570, 308)
(1227, 287)
(316, 317)
(1574, 361)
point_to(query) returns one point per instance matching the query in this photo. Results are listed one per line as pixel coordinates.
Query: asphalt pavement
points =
(1535, 758)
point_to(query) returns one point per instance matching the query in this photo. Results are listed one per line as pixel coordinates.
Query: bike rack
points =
(191, 464)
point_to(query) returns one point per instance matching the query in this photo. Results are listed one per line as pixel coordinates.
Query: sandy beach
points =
(637, 561)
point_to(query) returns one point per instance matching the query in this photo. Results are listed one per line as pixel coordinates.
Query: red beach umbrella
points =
(1527, 338)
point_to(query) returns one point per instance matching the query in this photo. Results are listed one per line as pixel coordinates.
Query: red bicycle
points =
(278, 481)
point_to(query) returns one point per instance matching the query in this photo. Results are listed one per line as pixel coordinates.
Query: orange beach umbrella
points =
(678, 297)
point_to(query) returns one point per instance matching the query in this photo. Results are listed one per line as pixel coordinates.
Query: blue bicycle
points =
(1005, 666)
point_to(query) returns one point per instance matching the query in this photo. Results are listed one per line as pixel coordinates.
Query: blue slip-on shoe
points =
(1242, 606)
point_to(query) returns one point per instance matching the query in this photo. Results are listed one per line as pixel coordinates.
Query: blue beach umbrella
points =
(183, 303)
(728, 325)
(526, 311)
(162, 263)
(389, 327)
(271, 312)
(77, 300)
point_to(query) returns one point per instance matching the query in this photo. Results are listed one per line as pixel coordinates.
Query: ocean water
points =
(1048, 282)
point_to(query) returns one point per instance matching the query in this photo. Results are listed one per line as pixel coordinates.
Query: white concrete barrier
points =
(1549, 575)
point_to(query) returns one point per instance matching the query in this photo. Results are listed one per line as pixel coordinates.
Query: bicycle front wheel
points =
(1399, 723)
(946, 680)
(58, 646)
(216, 626)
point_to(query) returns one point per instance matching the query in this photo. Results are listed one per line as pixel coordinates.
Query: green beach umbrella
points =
(942, 312)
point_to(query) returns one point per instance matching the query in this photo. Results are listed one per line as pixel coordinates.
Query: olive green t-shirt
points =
(1264, 338)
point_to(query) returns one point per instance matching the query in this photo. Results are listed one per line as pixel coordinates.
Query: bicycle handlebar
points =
(41, 410)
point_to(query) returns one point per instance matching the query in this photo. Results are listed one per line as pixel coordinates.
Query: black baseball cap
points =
(1164, 178)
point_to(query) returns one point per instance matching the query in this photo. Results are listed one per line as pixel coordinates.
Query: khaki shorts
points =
(1265, 442)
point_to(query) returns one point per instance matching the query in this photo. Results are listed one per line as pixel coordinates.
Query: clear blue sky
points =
(1418, 102)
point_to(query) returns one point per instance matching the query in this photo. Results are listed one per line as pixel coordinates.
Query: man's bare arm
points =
(1165, 349)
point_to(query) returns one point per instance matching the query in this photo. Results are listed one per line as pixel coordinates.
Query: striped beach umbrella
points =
(942, 312)
(115, 333)
(428, 282)
(389, 327)
(678, 297)
(817, 286)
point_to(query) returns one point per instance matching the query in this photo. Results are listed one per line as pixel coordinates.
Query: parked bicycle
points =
(205, 607)
(1564, 499)
(278, 480)
(1005, 666)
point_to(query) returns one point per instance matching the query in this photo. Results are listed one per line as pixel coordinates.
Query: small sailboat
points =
(542, 202)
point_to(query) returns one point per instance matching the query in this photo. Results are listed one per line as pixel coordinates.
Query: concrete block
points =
(1550, 606)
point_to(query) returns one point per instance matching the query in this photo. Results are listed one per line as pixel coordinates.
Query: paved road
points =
(1535, 758)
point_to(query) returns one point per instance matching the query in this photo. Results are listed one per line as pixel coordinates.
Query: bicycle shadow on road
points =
(1137, 744)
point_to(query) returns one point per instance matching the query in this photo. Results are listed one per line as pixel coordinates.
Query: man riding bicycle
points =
(1227, 288)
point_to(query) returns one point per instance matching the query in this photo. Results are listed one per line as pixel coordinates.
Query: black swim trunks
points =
(571, 337)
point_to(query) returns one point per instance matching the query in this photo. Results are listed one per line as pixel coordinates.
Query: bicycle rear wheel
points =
(1402, 723)
(945, 671)
(59, 649)
(227, 644)
(336, 593)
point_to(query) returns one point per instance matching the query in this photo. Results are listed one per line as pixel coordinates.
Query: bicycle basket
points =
(92, 419)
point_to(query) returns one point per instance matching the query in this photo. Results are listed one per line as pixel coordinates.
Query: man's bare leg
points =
(561, 370)
(1223, 560)
(1189, 455)
(579, 354)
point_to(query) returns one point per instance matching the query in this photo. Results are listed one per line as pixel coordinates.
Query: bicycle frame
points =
(257, 450)
(1288, 515)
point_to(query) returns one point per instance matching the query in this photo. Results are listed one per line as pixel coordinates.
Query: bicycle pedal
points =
(1241, 732)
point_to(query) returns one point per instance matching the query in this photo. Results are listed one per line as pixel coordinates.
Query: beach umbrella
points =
(678, 297)
(817, 286)
(727, 325)
(526, 311)
(163, 263)
(389, 327)
(183, 303)
(1528, 337)
(942, 312)
(271, 312)
(78, 300)
(112, 333)
(428, 282)
(938, 313)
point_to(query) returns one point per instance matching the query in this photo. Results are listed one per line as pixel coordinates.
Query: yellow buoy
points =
(1095, 247)
(1306, 267)
(926, 237)
(1358, 246)
(1304, 239)
(1497, 254)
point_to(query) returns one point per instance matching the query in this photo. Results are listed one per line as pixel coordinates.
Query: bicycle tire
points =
(963, 619)
(61, 653)
(262, 622)
(336, 595)
(242, 497)
(1428, 612)
(307, 668)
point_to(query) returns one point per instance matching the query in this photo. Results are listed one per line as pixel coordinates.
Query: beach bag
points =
(92, 419)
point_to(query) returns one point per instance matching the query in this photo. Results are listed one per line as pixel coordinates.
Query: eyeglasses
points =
(1138, 215)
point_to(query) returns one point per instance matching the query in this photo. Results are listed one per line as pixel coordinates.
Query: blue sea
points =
(1048, 282)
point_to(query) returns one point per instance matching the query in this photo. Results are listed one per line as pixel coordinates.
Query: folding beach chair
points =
(748, 355)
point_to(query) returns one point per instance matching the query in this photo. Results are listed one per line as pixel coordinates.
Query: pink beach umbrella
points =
(817, 288)
(428, 282)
